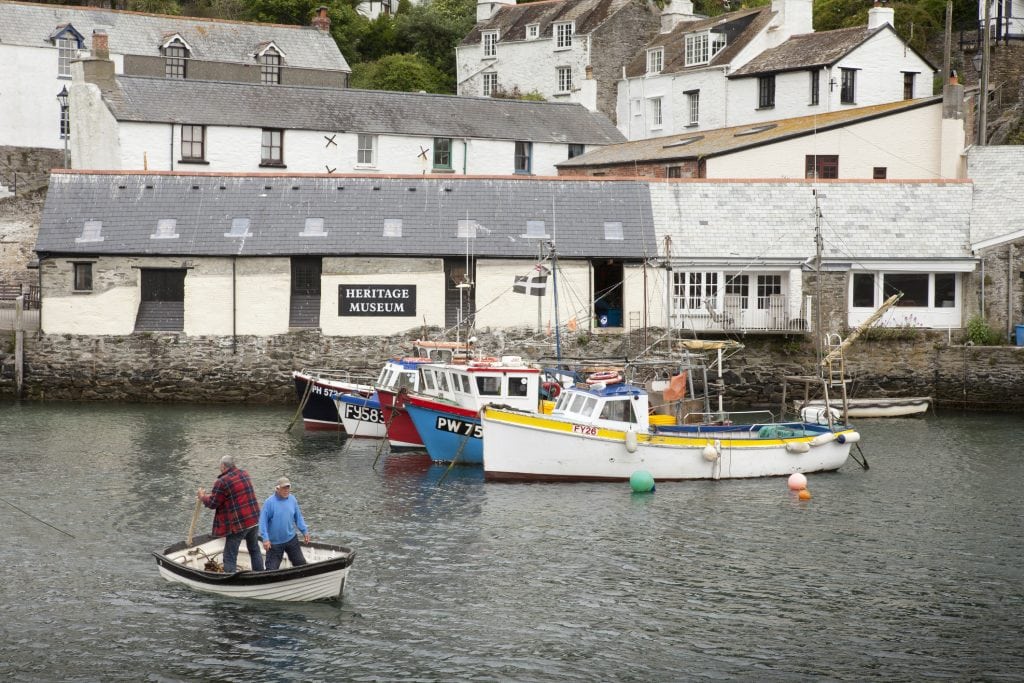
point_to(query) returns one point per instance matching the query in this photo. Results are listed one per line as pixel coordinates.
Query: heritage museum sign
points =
(385, 300)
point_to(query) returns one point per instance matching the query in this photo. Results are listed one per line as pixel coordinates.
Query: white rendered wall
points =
(252, 300)
(29, 112)
(675, 103)
(499, 307)
(109, 308)
(427, 275)
(908, 145)
(237, 150)
(633, 302)
(529, 65)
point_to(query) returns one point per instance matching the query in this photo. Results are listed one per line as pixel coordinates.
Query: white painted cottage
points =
(764, 64)
(38, 43)
(136, 123)
(1006, 18)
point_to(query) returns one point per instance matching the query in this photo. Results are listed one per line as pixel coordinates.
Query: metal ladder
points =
(835, 369)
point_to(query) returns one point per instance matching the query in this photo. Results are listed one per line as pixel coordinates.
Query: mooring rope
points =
(27, 514)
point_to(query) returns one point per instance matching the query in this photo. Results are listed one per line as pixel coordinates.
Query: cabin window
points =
(428, 381)
(488, 386)
(518, 386)
(577, 403)
(406, 380)
(465, 384)
(588, 407)
(620, 411)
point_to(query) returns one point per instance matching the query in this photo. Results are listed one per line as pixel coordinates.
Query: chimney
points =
(485, 9)
(98, 68)
(880, 15)
(793, 15)
(321, 21)
(675, 12)
(100, 46)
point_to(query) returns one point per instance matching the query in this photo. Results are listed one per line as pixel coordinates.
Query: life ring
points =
(605, 377)
(553, 389)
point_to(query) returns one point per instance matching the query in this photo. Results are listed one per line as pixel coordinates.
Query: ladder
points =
(834, 364)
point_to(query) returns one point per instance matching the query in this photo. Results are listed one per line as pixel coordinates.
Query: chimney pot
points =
(321, 21)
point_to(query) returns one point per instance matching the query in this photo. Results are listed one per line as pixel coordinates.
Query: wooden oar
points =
(195, 518)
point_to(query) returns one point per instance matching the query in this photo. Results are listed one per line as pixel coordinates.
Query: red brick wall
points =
(645, 169)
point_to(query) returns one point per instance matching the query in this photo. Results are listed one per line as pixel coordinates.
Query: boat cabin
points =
(507, 380)
(613, 406)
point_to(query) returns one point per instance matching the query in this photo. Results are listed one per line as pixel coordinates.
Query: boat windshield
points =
(619, 410)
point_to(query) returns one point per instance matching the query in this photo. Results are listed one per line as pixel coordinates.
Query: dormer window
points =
(533, 31)
(490, 43)
(563, 34)
(655, 60)
(175, 54)
(701, 48)
(270, 66)
(67, 48)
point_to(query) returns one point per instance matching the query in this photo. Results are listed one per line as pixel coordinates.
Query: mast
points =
(820, 339)
(554, 286)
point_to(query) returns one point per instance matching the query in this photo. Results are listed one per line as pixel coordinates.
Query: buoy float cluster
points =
(798, 482)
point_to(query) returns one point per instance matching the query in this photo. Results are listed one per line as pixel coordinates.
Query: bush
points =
(980, 333)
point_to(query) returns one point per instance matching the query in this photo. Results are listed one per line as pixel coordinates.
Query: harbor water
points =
(907, 571)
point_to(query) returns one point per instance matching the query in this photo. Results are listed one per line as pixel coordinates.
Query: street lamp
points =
(65, 121)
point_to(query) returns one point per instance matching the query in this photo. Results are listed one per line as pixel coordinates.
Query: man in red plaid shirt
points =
(237, 516)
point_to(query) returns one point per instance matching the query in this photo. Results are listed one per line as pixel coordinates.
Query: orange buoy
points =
(804, 494)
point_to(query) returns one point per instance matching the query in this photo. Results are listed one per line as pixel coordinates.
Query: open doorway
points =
(608, 293)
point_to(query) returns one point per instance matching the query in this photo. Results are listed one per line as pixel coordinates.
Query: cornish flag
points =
(536, 283)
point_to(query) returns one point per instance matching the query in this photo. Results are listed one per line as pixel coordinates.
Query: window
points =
(83, 277)
(655, 107)
(563, 35)
(674, 172)
(766, 91)
(490, 43)
(272, 149)
(193, 143)
(488, 386)
(767, 287)
(637, 108)
(532, 31)
(392, 227)
(945, 290)
(878, 173)
(443, 153)
(564, 79)
(92, 231)
(863, 290)
(490, 84)
(166, 229)
(576, 149)
(270, 67)
(175, 55)
(313, 227)
(920, 290)
(913, 285)
(67, 48)
(655, 60)
(691, 290)
(821, 166)
(693, 102)
(518, 386)
(239, 227)
(701, 48)
(364, 152)
(613, 230)
(524, 154)
(848, 92)
(815, 87)
(736, 295)
(65, 122)
(908, 85)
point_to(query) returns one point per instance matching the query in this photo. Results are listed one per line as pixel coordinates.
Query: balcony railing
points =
(740, 314)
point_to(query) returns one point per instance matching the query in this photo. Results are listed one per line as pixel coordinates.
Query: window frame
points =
(655, 60)
(848, 86)
(270, 70)
(909, 78)
(655, 107)
(442, 147)
(564, 79)
(366, 150)
(176, 60)
(766, 91)
(693, 107)
(879, 172)
(576, 149)
(523, 161)
(815, 84)
(67, 50)
(563, 32)
(81, 276)
(821, 166)
(490, 83)
(65, 123)
(489, 44)
(191, 143)
(532, 31)
(268, 149)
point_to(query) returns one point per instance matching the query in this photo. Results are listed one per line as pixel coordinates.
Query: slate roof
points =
(510, 21)
(164, 100)
(719, 141)
(772, 222)
(809, 50)
(133, 33)
(998, 175)
(353, 209)
(739, 27)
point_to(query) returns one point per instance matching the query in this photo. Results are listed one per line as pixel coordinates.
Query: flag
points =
(534, 284)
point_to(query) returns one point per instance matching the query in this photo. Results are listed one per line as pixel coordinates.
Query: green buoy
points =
(641, 481)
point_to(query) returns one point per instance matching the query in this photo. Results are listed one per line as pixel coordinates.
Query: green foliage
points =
(432, 31)
(154, 6)
(402, 73)
(516, 94)
(980, 333)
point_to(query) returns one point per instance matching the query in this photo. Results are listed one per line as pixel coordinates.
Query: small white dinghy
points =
(321, 578)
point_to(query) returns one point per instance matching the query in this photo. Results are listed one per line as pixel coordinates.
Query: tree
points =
(432, 31)
(401, 72)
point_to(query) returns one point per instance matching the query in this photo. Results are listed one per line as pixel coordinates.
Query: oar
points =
(302, 404)
(195, 518)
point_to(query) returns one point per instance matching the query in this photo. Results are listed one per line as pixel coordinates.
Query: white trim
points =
(995, 241)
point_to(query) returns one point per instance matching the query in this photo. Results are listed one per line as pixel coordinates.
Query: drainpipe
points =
(234, 306)
(170, 160)
(1009, 291)
(465, 155)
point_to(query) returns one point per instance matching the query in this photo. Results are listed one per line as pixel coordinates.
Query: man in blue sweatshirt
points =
(279, 522)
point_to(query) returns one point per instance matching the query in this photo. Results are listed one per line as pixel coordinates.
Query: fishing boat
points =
(601, 430)
(446, 409)
(317, 389)
(363, 416)
(197, 565)
(879, 407)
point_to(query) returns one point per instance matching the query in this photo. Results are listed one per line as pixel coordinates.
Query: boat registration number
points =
(584, 429)
(363, 413)
(461, 427)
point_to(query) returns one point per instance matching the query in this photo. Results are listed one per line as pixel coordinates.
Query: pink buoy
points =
(797, 481)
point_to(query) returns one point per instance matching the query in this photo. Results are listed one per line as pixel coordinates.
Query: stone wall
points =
(26, 169)
(256, 370)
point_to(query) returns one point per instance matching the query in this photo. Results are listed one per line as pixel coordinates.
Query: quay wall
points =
(158, 367)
